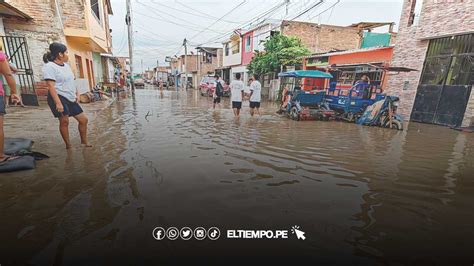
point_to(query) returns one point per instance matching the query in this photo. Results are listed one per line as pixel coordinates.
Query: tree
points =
(279, 51)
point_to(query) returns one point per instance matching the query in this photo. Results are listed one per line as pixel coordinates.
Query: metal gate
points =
(446, 81)
(442, 105)
(17, 51)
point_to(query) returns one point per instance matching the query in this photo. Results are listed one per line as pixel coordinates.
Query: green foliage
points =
(279, 51)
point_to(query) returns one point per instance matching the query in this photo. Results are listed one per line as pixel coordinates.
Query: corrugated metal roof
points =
(348, 52)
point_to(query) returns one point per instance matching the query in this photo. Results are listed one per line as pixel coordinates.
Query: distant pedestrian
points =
(218, 91)
(160, 84)
(255, 95)
(237, 94)
(63, 97)
(6, 72)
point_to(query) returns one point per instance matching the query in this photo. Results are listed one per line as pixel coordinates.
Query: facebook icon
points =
(159, 233)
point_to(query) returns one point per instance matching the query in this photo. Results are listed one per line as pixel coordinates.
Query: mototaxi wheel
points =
(294, 114)
(396, 125)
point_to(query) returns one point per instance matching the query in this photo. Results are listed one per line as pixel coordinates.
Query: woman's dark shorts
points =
(236, 105)
(217, 100)
(2, 106)
(70, 108)
(254, 105)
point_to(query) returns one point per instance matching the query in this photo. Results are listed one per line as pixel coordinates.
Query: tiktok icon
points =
(213, 233)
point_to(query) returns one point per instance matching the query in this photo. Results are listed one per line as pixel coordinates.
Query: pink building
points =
(247, 48)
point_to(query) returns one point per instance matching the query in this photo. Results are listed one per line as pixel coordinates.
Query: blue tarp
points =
(306, 74)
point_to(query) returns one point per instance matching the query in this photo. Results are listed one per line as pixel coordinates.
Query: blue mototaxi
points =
(350, 104)
(301, 104)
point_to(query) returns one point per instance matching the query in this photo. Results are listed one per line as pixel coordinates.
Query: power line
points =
(122, 42)
(333, 5)
(160, 17)
(219, 19)
(276, 8)
(199, 14)
(299, 15)
(249, 22)
(307, 10)
(154, 35)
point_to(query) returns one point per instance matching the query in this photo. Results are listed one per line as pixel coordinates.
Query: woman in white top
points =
(63, 98)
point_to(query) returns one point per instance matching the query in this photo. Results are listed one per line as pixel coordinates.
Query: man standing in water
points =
(237, 94)
(218, 91)
(255, 95)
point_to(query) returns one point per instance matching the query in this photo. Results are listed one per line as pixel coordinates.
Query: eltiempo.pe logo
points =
(213, 233)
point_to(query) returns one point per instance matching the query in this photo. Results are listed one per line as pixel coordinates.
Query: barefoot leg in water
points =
(64, 130)
(82, 119)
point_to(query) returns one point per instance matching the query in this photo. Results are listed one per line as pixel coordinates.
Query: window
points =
(227, 49)
(449, 61)
(236, 47)
(415, 12)
(248, 42)
(207, 58)
(79, 69)
(95, 8)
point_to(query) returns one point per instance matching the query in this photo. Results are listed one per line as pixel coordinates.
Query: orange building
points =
(348, 66)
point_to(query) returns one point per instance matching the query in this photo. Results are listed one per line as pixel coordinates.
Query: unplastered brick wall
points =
(438, 18)
(73, 13)
(39, 32)
(191, 62)
(208, 67)
(323, 38)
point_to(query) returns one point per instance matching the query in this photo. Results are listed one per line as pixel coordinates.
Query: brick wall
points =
(438, 18)
(39, 32)
(191, 63)
(220, 54)
(208, 67)
(323, 38)
(73, 14)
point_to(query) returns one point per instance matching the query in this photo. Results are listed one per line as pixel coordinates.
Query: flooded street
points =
(362, 195)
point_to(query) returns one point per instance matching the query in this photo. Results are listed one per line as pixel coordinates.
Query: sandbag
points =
(21, 163)
(17, 146)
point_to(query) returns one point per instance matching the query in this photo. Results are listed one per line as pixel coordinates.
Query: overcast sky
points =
(161, 25)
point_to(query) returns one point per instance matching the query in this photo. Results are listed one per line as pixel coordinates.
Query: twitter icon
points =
(186, 233)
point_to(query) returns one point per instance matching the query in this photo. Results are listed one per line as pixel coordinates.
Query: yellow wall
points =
(97, 29)
(75, 48)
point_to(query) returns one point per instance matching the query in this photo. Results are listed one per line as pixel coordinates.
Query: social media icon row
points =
(186, 233)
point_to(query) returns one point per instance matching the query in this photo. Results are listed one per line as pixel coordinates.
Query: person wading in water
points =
(63, 98)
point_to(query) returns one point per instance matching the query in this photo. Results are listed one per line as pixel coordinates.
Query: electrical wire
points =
(227, 13)
(198, 14)
(248, 23)
(161, 18)
(325, 10)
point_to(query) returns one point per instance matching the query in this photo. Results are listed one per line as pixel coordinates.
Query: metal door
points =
(446, 81)
(16, 48)
(441, 104)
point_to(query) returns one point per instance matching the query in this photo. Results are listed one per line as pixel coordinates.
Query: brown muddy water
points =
(362, 195)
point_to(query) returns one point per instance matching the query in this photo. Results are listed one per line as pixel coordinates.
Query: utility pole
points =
(185, 63)
(198, 66)
(128, 21)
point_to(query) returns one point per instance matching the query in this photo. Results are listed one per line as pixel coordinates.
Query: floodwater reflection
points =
(161, 158)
